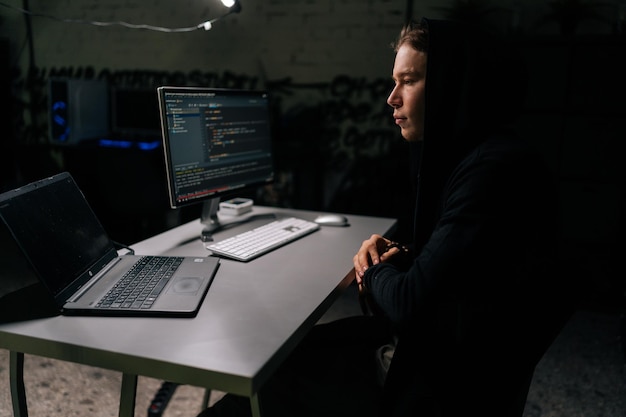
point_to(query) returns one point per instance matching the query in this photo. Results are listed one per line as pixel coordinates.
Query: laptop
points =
(78, 264)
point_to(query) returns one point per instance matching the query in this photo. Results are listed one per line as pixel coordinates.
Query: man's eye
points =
(407, 81)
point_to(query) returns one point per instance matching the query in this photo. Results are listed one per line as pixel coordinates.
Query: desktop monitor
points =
(217, 143)
(78, 110)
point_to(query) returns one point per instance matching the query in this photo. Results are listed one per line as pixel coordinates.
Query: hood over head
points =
(475, 86)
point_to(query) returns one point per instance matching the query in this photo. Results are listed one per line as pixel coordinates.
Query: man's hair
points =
(415, 34)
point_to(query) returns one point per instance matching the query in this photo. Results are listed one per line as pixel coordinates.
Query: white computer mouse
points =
(329, 219)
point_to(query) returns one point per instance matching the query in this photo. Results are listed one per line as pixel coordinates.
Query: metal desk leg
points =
(18, 392)
(256, 407)
(128, 395)
(207, 398)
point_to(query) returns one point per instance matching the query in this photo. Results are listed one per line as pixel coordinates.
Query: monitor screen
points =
(216, 142)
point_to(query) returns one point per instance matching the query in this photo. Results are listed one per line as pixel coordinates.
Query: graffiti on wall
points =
(325, 132)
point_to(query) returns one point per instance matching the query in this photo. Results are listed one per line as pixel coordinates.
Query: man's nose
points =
(393, 100)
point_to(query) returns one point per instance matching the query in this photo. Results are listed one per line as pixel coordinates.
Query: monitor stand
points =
(212, 223)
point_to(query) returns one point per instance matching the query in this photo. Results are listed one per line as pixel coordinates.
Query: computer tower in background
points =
(78, 110)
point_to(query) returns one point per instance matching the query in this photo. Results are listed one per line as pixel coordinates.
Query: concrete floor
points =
(583, 374)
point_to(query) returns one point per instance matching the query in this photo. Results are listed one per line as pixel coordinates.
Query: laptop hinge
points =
(92, 281)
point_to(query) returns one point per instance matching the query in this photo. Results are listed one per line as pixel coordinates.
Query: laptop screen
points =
(56, 229)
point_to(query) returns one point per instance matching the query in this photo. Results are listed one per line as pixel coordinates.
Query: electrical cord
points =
(119, 245)
(204, 25)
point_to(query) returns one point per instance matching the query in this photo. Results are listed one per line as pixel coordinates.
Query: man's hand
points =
(373, 251)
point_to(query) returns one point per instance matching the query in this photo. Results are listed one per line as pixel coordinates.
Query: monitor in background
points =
(78, 110)
(217, 143)
(134, 113)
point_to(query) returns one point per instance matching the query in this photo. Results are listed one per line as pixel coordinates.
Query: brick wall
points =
(308, 40)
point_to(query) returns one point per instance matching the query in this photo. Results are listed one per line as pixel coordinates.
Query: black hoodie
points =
(476, 307)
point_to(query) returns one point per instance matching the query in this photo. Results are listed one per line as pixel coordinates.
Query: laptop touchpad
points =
(187, 285)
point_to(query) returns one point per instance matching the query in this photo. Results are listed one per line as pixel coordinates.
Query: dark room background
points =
(327, 65)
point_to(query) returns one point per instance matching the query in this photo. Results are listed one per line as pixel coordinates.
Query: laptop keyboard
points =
(256, 242)
(139, 287)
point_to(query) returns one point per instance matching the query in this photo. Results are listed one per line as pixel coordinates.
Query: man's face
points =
(407, 97)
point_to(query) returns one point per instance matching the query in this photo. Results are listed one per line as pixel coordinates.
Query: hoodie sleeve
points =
(487, 220)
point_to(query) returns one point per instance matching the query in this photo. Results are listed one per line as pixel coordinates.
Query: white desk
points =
(254, 314)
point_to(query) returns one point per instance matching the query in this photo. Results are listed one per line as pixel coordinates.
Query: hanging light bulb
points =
(234, 6)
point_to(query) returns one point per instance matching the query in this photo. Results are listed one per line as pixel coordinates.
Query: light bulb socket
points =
(236, 8)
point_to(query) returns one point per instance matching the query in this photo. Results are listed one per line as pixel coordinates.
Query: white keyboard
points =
(258, 241)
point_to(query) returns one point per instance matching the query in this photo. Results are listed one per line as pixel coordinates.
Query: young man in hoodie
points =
(463, 313)
(475, 299)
